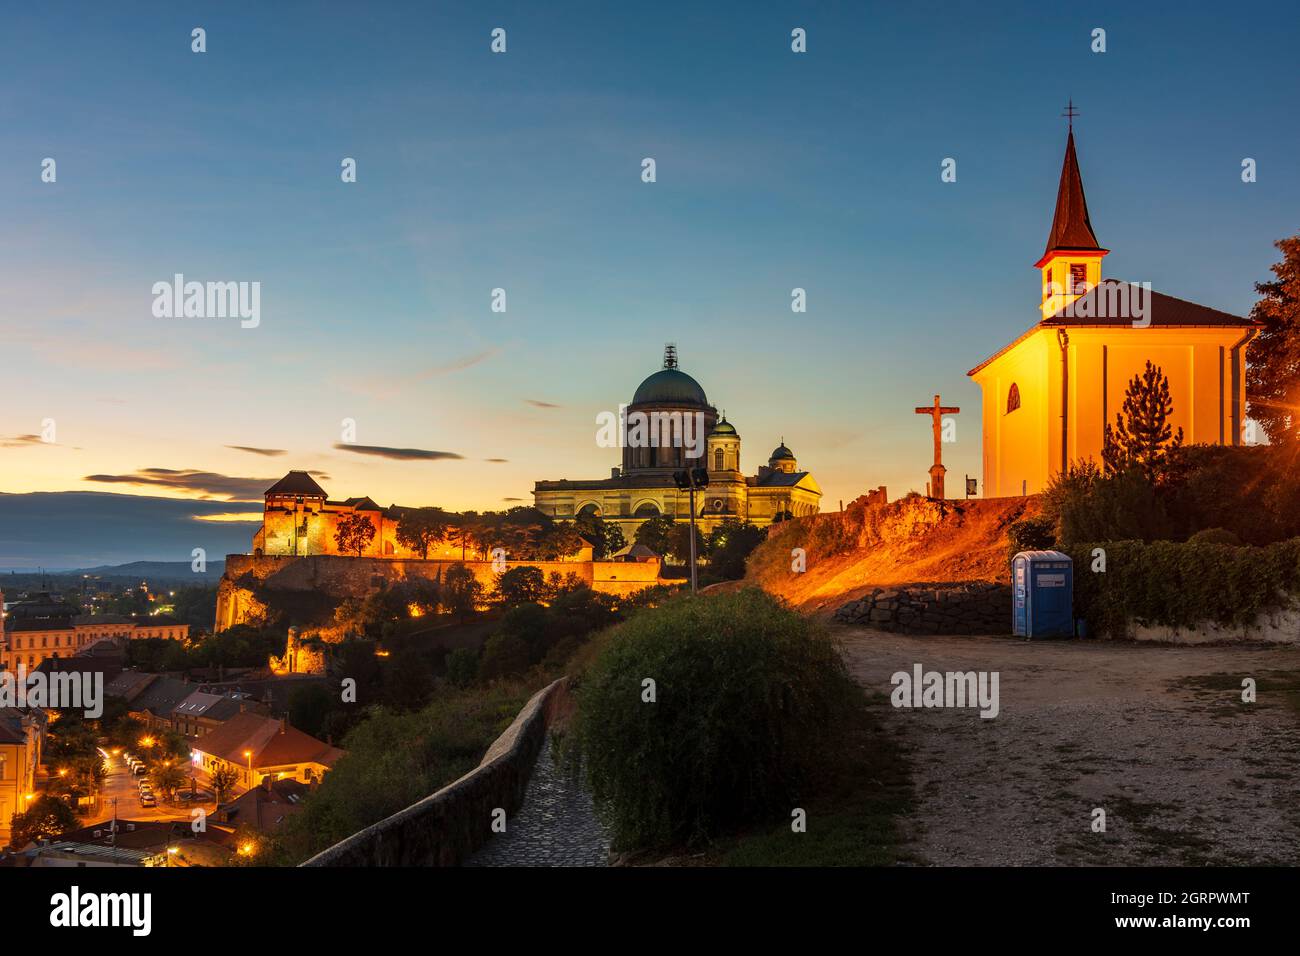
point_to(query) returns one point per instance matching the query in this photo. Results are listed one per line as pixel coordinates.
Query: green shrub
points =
(462, 666)
(751, 701)
(504, 655)
(1181, 584)
(1031, 534)
(1215, 536)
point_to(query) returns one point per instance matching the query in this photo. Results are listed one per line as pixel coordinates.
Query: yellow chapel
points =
(1049, 394)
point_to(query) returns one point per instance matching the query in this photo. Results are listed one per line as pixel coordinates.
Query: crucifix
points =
(1070, 113)
(936, 413)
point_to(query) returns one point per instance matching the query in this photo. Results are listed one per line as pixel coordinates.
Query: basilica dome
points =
(670, 386)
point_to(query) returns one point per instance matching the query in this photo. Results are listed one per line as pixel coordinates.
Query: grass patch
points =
(1223, 691)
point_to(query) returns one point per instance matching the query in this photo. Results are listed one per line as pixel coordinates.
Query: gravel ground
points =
(555, 826)
(1157, 736)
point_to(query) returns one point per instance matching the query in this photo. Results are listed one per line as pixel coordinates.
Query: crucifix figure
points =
(936, 413)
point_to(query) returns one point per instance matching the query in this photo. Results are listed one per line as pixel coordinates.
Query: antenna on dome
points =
(670, 355)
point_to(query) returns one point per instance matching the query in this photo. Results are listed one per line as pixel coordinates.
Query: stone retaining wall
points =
(446, 827)
(956, 608)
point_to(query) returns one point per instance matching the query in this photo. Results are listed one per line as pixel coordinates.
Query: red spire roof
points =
(1071, 230)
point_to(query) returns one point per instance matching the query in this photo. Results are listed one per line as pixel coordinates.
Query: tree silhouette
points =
(1142, 437)
(421, 528)
(354, 534)
(1273, 376)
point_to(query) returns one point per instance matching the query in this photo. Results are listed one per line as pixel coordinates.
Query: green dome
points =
(723, 427)
(670, 386)
(781, 453)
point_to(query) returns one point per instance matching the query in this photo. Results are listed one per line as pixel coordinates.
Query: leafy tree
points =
(462, 592)
(679, 542)
(654, 534)
(520, 585)
(1273, 376)
(504, 655)
(47, 817)
(558, 541)
(354, 533)
(309, 705)
(730, 543)
(166, 777)
(606, 537)
(224, 780)
(1142, 437)
(462, 667)
(421, 528)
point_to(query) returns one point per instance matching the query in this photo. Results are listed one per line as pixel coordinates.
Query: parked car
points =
(145, 787)
(148, 800)
(138, 770)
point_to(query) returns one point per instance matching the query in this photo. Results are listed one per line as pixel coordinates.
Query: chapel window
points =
(1013, 398)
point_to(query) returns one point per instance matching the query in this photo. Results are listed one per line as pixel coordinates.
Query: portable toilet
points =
(1042, 594)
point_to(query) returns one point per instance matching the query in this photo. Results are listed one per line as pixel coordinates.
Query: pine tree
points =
(1273, 376)
(1142, 437)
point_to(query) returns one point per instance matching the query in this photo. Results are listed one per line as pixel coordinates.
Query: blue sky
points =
(522, 171)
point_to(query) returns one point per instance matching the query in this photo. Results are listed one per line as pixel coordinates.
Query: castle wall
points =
(341, 576)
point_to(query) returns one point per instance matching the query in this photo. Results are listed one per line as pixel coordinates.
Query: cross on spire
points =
(1070, 113)
(670, 355)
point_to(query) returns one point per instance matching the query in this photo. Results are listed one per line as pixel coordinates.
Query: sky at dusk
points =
(523, 171)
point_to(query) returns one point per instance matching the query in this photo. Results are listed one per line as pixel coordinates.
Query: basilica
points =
(644, 487)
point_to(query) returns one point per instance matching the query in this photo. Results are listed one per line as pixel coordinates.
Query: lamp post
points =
(689, 480)
(249, 755)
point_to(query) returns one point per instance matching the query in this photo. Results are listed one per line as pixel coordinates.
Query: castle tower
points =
(1072, 262)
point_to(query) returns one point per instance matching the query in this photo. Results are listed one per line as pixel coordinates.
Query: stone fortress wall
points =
(342, 577)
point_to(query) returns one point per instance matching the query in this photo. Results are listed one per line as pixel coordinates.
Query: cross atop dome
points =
(670, 355)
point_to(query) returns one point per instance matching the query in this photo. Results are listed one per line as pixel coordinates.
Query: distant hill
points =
(156, 570)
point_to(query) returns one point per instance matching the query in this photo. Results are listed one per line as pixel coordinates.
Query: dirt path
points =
(1156, 736)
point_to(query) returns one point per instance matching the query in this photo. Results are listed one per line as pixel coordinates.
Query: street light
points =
(249, 755)
(689, 480)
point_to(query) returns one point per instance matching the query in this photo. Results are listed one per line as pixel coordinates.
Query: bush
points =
(751, 698)
(504, 655)
(462, 667)
(1181, 584)
(1215, 536)
(1031, 534)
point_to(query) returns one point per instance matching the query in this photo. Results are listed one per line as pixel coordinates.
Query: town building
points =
(41, 627)
(258, 747)
(1048, 396)
(22, 738)
(265, 807)
(644, 485)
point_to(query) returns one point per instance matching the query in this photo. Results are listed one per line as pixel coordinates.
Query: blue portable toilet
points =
(1042, 594)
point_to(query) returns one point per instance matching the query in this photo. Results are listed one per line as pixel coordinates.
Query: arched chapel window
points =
(1013, 398)
(717, 459)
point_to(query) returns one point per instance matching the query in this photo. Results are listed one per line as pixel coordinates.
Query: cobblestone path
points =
(555, 826)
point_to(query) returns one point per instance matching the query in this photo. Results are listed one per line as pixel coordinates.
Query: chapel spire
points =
(1071, 264)
(1071, 228)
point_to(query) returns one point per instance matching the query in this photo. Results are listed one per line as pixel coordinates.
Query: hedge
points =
(1181, 584)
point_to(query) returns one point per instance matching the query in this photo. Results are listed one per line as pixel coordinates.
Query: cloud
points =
(19, 441)
(497, 461)
(201, 483)
(397, 454)
(536, 404)
(268, 452)
(512, 499)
